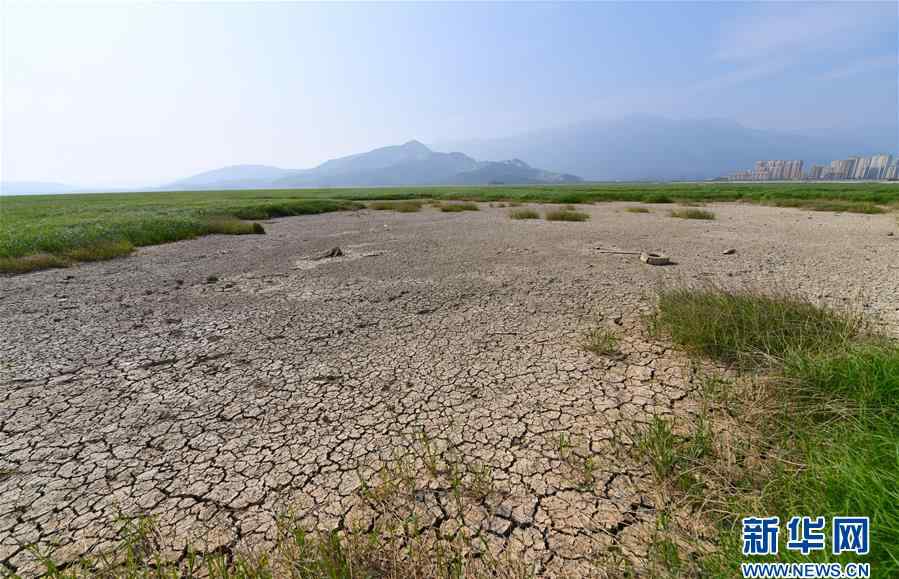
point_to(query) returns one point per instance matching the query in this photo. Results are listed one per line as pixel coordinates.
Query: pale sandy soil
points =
(136, 385)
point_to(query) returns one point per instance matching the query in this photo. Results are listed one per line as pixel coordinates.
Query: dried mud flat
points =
(141, 385)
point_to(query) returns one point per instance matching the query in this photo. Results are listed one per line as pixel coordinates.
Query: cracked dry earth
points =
(139, 385)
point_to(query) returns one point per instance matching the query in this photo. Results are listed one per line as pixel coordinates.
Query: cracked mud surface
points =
(139, 385)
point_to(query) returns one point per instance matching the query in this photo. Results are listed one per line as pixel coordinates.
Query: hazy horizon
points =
(142, 94)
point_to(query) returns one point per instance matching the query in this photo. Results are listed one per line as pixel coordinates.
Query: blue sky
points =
(127, 94)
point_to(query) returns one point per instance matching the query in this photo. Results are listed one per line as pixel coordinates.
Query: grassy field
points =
(816, 425)
(37, 232)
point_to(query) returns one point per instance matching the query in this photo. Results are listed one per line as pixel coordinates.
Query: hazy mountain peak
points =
(411, 163)
(643, 146)
(415, 145)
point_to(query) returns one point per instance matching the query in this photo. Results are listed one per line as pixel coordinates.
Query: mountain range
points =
(646, 147)
(412, 163)
(633, 148)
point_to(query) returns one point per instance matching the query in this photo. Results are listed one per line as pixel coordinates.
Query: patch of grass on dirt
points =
(657, 198)
(40, 225)
(823, 422)
(580, 465)
(673, 457)
(691, 213)
(600, 341)
(398, 206)
(836, 205)
(750, 329)
(398, 500)
(459, 207)
(100, 251)
(32, 262)
(637, 209)
(566, 215)
(232, 226)
(524, 214)
(37, 232)
(391, 549)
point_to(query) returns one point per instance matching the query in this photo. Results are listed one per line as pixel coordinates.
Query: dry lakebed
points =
(218, 383)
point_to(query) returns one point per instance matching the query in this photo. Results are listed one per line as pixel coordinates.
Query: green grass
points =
(458, 207)
(749, 329)
(637, 209)
(102, 250)
(828, 433)
(524, 214)
(657, 197)
(838, 205)
(566, 215)
(395, 545)
(37, 231)
(672, 456)
(600, 341)
(387, 551)
(398, 206)
(32, 262)
(691, 213)
(232, 226)
(837, 431)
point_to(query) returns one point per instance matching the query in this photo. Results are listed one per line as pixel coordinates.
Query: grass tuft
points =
(658, 444)
(100, 251)
(566, 215)
(819, 435)
(837, 205)
(391, 539)
(657, 198)
(38, 232)
(524, 214)
(636, 209)
(232, 226)
(410, 206)
(459, 207)
(33, 262)
(600, 341)
(691, 213)
(750, 329)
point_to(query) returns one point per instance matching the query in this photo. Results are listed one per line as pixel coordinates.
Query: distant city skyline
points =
(135, 94)
(873, 168)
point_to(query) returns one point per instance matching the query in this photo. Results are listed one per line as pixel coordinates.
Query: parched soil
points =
(146, 385)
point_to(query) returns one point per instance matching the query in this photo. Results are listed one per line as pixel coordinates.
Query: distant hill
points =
(642, 147)
(412, 163)
(235, 176)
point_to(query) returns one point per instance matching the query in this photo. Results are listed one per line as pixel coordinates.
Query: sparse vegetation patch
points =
(39, 226)
(400, 499)
(637, 209)
(57, 231)
(398, 206)
(691, 213)
(458, 207)
(837, 205)
(566, 215)
(751, 330)
(524, 213)
(821, 423)
(600, 341)
(232, 226)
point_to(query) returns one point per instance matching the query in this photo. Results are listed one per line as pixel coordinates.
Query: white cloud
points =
(786, 30)
(862, 66)
(742, 75)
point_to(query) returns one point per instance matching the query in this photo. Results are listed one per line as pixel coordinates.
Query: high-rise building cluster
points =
(875, 167)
